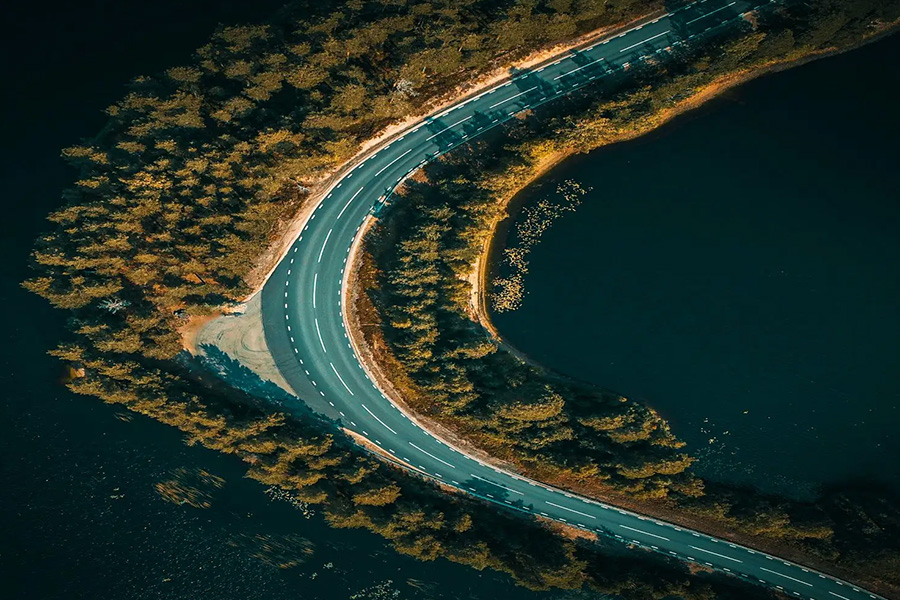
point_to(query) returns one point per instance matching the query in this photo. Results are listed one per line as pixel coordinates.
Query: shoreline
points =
(485, 266)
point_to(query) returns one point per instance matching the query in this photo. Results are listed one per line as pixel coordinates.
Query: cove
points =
(737, 270)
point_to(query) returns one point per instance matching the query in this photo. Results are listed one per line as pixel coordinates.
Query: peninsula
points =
(287, 181)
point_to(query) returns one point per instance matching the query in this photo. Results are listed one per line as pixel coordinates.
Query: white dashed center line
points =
(319, 333)
(366, 408)
(315, 283)
(644, 532)
(392, 162)
(578, 69)
(497, 484)
(429, 454)
(512, 97)
(571, 510)
(785, 576)
(429, 138)
(322, 251)
(645, 41)
(710, 13)
(717, 554)
(341, 378)
(349, 201)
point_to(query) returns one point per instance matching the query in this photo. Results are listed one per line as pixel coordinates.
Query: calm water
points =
(738, 270)
(80, 516)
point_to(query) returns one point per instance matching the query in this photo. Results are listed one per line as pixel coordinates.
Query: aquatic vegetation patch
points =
(191, 487)
(508, 291)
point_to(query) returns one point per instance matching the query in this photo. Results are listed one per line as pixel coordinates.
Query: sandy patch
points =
(191, 328)
(240, 336)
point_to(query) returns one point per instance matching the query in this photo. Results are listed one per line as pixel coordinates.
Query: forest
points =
(198, 168)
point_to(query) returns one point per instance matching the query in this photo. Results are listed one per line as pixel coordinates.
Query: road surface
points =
(305, 328)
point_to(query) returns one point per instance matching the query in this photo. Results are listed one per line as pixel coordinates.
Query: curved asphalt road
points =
(305, 331)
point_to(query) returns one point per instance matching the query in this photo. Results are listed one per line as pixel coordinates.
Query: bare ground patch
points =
(240, 336)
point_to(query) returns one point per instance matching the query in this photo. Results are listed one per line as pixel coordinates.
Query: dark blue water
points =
(738, 270)
(80, 514)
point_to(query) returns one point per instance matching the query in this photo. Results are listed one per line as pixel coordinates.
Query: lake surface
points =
(81, 516)
(738, 271)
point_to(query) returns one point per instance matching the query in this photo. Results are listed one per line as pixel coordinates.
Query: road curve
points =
(305, 327)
